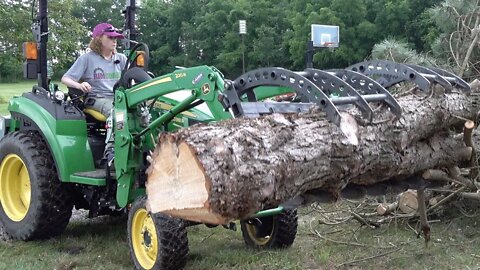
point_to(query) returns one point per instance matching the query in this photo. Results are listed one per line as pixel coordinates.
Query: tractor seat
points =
(78, 98)
(95, 114)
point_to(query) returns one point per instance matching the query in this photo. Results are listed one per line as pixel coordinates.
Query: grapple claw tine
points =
(453, 79)
(370, 89)
(326, 89)
(434, 76)
(392, 73)
(243, 88)
(334, 86)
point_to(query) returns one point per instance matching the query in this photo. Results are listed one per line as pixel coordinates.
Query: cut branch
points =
(384, 209)
(438, 175)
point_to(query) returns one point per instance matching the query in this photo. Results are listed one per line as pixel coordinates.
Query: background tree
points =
(459, 25)
(188, 33)
(16, 18)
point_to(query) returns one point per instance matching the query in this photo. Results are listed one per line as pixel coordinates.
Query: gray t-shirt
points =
(100, 73)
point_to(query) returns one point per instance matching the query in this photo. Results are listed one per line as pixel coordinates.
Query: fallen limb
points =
(447, 198)
(384, 209)
(369, 258)
(439, 175)
(470, 195)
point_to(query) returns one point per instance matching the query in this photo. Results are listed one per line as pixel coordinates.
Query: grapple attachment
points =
(390, 73)
(359, 85)
(240, 95)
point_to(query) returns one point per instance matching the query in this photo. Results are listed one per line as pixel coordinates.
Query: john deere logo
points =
(206, 88)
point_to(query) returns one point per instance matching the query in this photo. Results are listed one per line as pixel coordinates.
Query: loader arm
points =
(145, 110)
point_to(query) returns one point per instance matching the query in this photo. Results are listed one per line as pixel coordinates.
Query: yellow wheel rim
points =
(252, 233)
(144, 238)
(15, 190)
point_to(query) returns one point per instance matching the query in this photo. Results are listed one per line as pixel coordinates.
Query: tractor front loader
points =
(51, 148)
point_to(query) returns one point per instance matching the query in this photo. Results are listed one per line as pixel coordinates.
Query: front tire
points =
(277, 231)
(34, 204)
(156, 241)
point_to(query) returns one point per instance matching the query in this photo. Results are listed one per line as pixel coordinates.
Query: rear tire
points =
(34, 204)
(156, 241)
(277, 231)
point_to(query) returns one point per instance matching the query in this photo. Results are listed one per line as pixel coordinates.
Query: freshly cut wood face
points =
(177, 184)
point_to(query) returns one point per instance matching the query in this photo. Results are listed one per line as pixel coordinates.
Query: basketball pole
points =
(309, 54)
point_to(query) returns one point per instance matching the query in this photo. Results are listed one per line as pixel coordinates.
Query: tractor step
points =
(97, 177)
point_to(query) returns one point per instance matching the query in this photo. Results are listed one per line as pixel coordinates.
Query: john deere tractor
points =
(51, 148)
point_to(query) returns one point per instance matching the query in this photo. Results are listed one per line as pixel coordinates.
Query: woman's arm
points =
(69, 82)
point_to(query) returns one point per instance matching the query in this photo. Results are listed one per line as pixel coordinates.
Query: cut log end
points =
(469, 124)
(408, 201)
(177, 184)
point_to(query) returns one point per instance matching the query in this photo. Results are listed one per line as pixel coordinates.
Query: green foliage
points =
(400, 52)
(66, 34)
(188, 33)
(458, 23)
(10, 67)
(15, 28)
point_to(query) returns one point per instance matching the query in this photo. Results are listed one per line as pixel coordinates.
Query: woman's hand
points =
(85, 87)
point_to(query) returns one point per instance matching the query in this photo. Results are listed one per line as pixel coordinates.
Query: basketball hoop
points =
(330, 45)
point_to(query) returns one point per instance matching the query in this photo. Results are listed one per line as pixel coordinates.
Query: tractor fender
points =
(65, 133)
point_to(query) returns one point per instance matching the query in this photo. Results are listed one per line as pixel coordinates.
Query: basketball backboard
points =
(325, 36)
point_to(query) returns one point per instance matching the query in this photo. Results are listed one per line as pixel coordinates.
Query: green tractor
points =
(51, 148)
(51, 155)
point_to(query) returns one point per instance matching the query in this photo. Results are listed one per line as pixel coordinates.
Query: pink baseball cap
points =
(107, 29)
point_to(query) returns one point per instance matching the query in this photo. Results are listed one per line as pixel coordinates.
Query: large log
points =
(231, 169)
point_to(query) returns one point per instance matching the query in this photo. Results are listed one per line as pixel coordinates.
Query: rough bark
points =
(231, 169)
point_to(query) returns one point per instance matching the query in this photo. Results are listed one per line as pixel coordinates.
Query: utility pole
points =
(243, 31)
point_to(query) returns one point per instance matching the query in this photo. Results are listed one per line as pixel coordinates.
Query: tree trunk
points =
(232, 169)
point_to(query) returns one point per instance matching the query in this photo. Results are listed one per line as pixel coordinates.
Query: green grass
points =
(102, 244)
(8, 90)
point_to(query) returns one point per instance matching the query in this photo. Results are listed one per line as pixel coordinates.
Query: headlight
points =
(59, 95)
